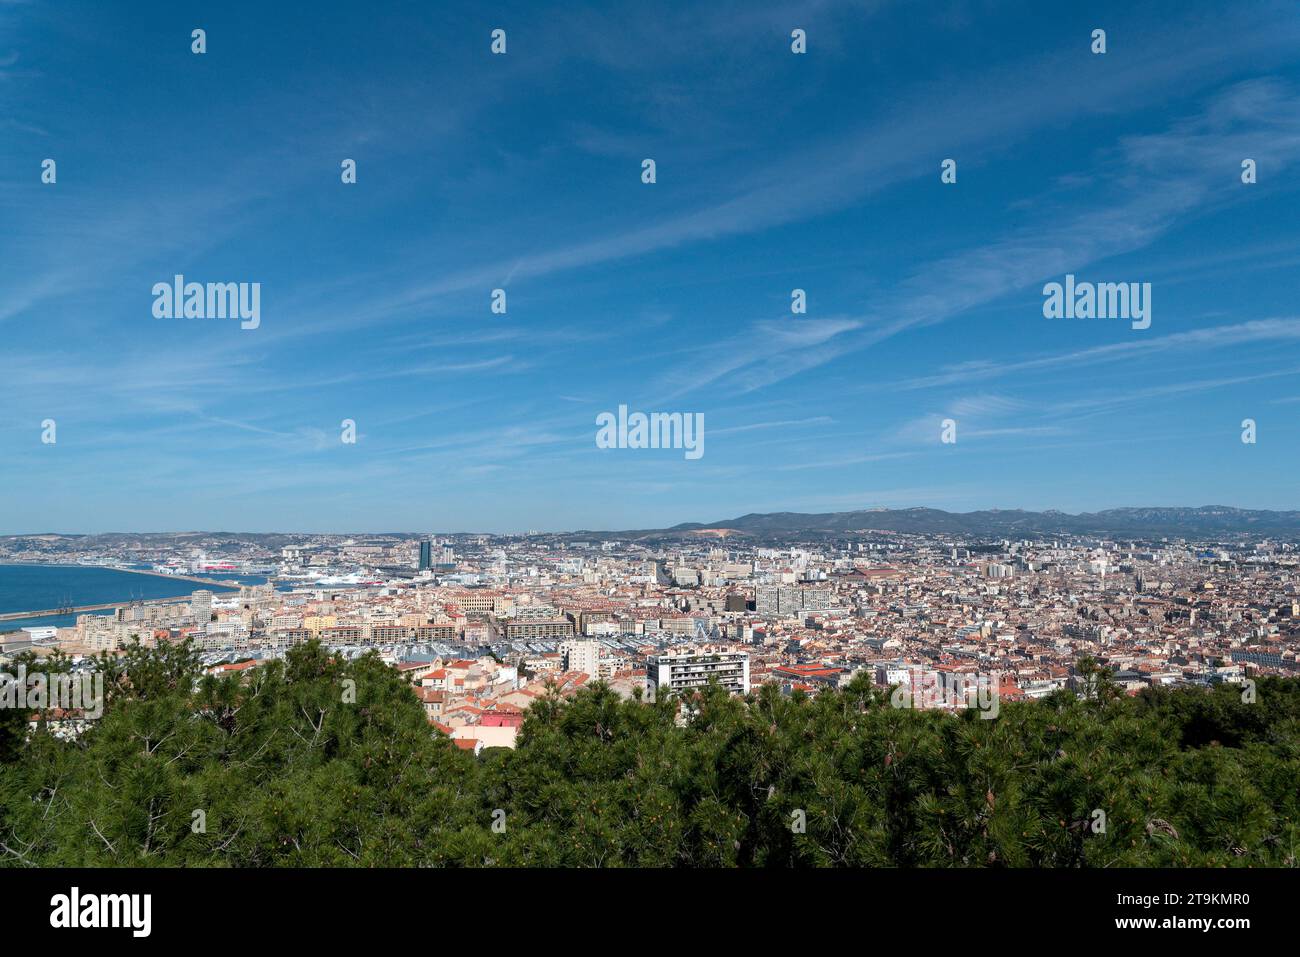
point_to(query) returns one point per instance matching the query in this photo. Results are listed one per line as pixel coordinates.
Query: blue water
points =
(28, 587)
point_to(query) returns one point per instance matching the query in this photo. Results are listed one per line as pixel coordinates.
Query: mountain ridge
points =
(1126, 521)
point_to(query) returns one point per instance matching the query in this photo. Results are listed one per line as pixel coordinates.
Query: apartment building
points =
(677, 673)
(581, 656)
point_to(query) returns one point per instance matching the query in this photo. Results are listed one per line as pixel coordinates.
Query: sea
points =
(32, 587)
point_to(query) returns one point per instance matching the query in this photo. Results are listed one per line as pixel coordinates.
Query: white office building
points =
(201, 606)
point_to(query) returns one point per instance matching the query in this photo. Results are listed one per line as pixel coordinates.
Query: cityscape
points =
(574, 460)
(483, 625)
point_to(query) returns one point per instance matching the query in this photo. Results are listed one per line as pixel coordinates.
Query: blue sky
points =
(775, 171)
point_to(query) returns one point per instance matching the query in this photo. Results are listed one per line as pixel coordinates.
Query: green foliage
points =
(316, 761)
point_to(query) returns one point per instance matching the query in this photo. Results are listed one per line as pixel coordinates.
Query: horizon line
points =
(609, 531)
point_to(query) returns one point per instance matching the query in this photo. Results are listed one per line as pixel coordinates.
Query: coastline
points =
(117, 568)
(19, 618)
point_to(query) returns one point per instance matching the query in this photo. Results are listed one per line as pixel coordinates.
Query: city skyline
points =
(1145, 689)
(775, 172)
